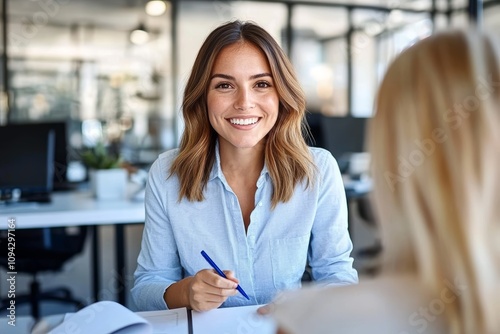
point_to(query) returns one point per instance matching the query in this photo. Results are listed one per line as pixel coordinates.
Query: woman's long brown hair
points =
(287, 155)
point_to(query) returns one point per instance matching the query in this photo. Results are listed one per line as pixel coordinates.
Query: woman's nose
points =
(244, 100)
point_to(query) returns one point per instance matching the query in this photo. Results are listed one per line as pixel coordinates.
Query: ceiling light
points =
(139, 35)
(156, 7)
(396, 16)
(373, 28)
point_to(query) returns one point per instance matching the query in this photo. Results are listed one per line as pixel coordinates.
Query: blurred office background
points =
(114, 71)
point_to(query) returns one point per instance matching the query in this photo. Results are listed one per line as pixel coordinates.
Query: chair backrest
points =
(45, 249)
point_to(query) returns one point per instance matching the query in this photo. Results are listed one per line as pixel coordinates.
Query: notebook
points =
(107, 317)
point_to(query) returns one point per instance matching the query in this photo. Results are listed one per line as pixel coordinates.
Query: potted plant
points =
(107, 179)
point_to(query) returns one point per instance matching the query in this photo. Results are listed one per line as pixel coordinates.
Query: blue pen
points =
(221, 273)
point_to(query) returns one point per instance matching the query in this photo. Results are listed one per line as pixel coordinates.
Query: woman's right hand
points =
(208, 290)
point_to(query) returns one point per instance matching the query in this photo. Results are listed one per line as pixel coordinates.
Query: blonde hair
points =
(286, 153)
(435, 147)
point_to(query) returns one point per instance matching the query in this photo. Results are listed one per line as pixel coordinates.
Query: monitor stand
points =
(39, 198)
(18, 197)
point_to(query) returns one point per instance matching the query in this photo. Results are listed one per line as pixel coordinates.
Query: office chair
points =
(40, 250)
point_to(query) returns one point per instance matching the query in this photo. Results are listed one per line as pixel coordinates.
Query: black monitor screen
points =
(26, 161)
(340, 135)
(60, 162)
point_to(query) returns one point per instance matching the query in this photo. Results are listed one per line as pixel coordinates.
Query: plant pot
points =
(108, 184)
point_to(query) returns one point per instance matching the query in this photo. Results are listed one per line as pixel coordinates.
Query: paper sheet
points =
(103, 318)
(234, 320)
(172, 321)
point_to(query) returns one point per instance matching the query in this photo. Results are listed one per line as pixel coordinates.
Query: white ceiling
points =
(121, 16)
(123, 13)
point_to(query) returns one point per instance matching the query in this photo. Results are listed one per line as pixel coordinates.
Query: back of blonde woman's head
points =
(435, 144)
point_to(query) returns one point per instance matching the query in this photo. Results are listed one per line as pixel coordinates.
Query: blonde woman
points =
(243, 186)
(435, 145)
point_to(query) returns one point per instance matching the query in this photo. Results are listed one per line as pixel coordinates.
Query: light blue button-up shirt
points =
(311, 228)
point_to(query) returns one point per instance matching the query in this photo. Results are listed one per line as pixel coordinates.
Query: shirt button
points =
(260, 203)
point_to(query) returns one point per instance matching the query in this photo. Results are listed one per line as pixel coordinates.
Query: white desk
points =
(72, 209)
(80, 209)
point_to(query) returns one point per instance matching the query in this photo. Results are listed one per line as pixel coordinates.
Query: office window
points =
(335, 53)
(75, 59)
(81, 61)
(492, 17)
(319, 54)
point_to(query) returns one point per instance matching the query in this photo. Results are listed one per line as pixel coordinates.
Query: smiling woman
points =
(242, 100)
(243, 185)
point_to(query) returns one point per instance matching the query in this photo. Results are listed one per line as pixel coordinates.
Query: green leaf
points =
(98, 157)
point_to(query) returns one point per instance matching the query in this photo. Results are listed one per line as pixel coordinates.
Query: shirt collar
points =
(217, 170)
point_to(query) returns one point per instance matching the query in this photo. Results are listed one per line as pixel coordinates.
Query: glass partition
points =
(492, 16)
(110, 63)
(319, 54)
(80, 61)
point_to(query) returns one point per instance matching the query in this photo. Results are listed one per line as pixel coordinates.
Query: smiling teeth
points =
(246, 121)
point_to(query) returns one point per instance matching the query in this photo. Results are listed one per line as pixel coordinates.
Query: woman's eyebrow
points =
(230, 77)
(223, 76)
(260, 75)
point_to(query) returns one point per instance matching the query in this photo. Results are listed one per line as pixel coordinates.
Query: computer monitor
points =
(60, 162)
(26, 164)
(342, 136)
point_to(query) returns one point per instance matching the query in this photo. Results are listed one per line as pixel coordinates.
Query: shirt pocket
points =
(288, 259)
